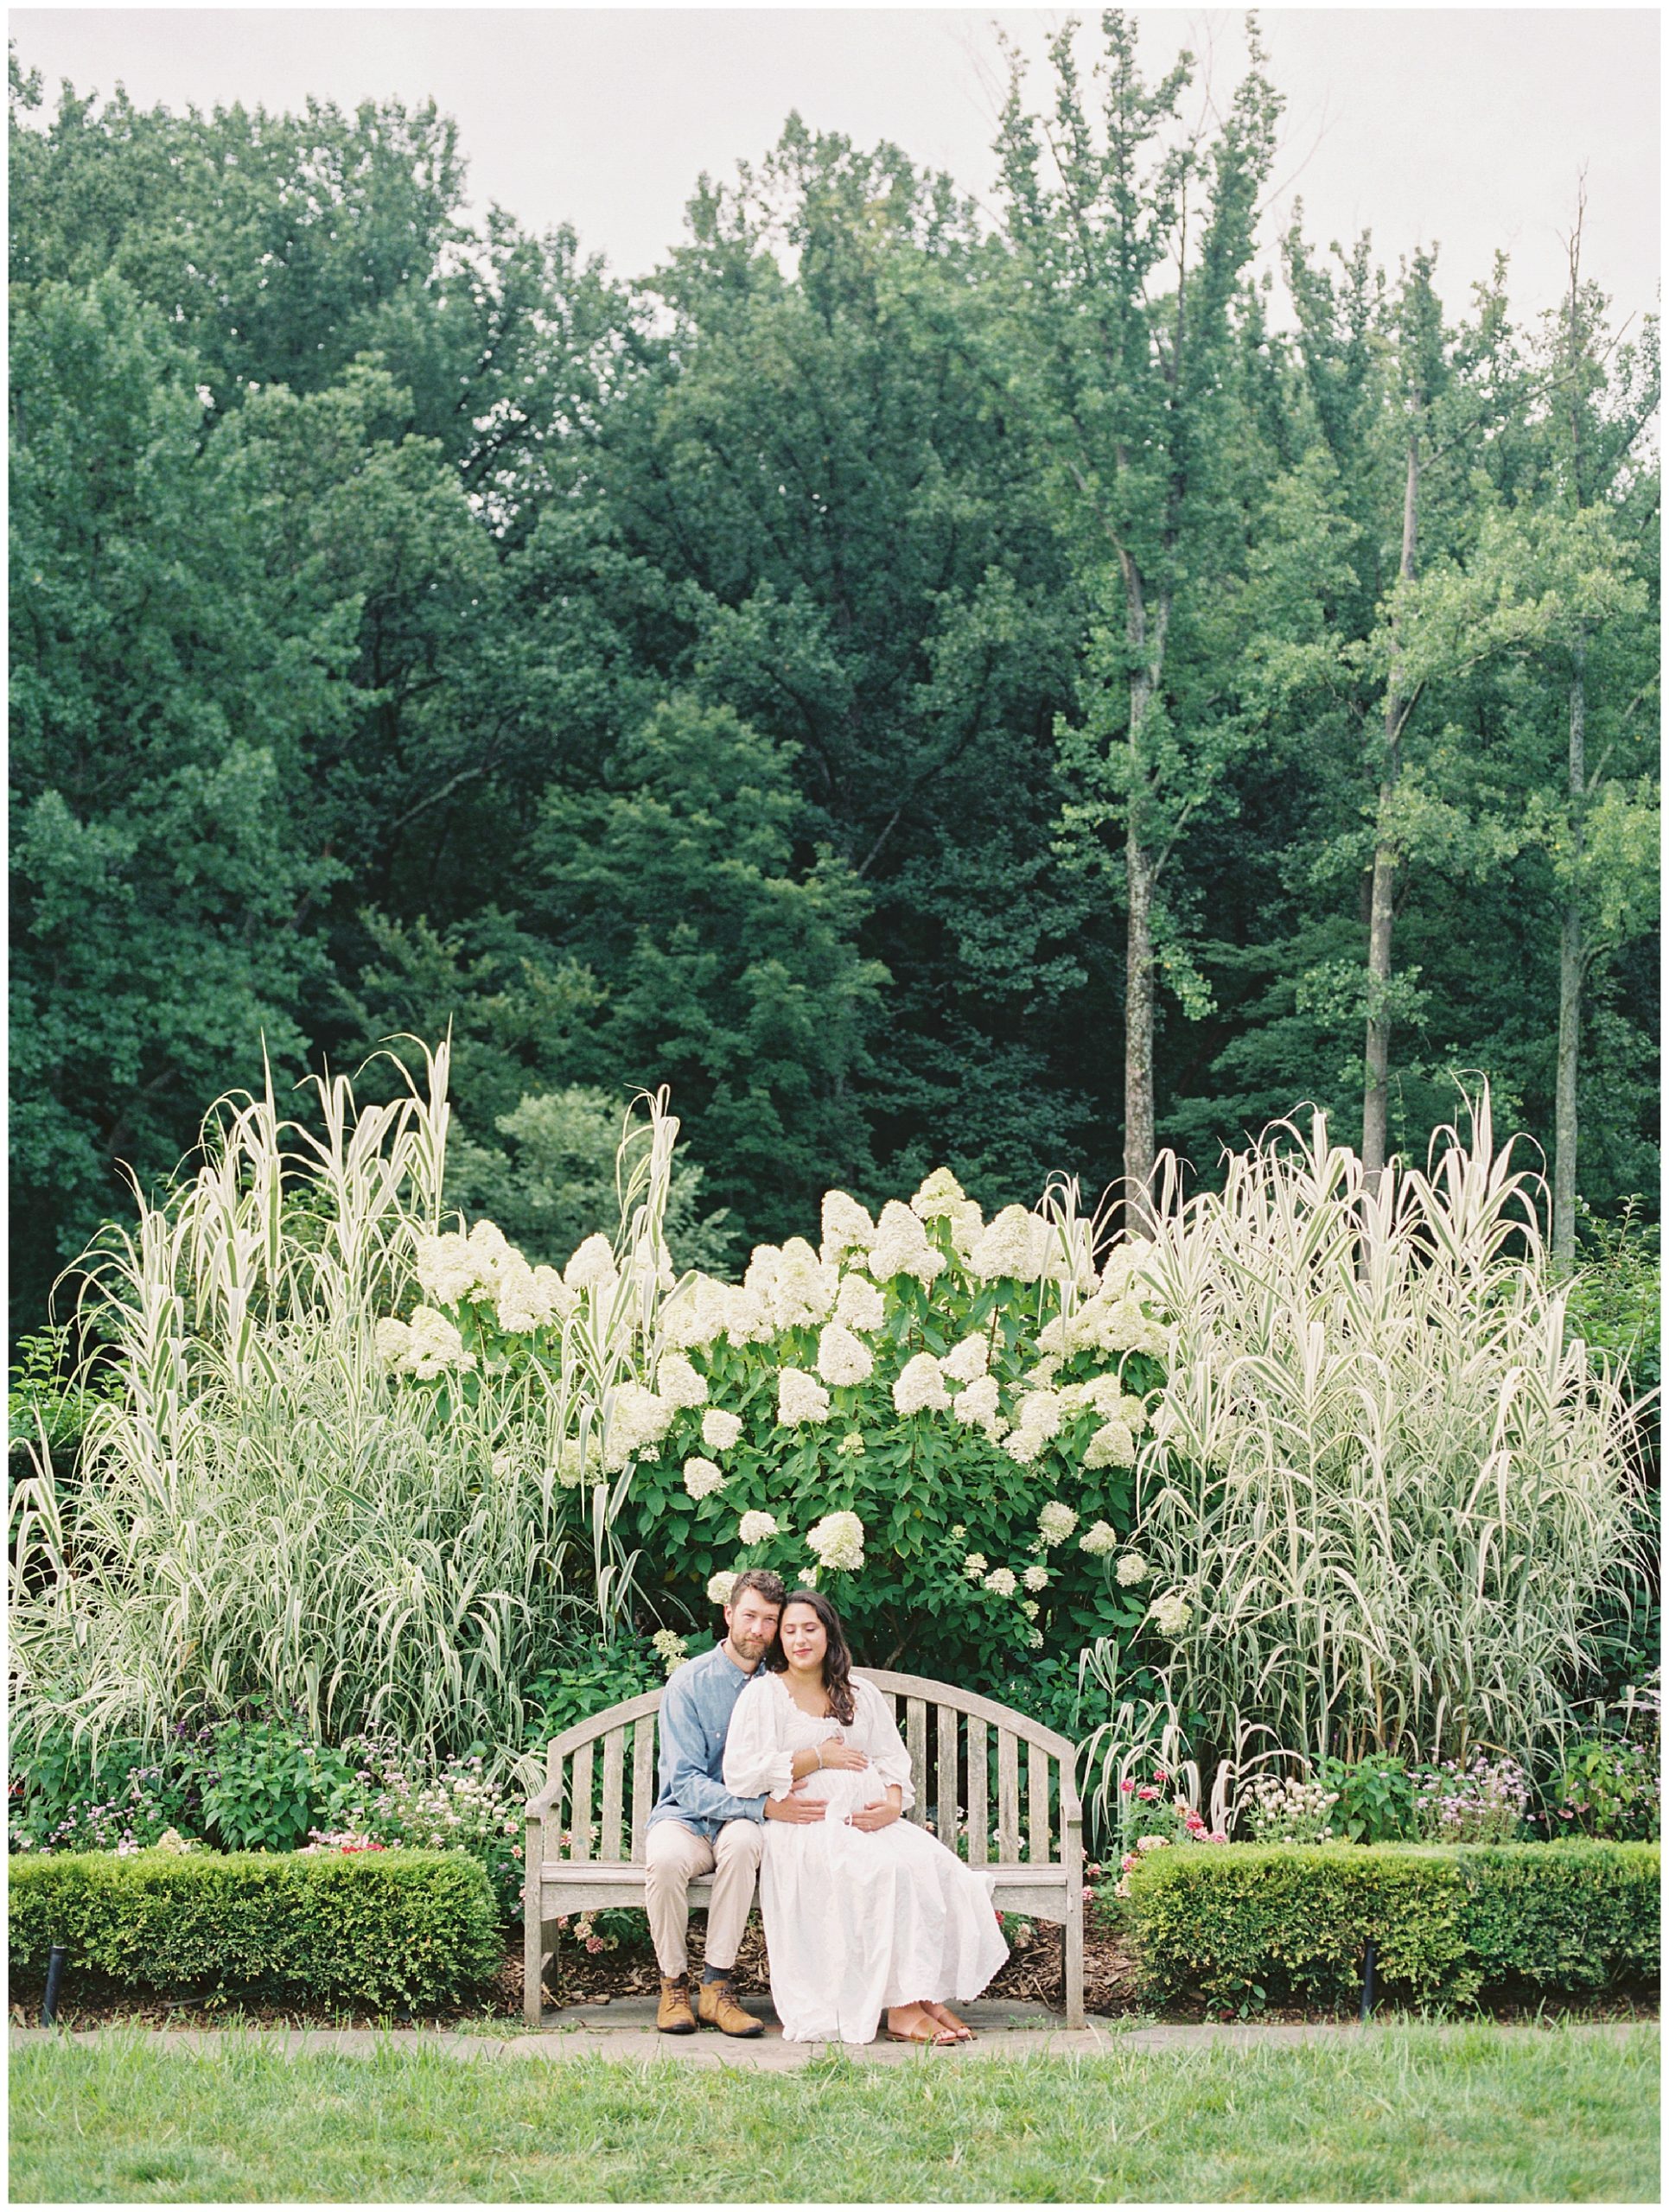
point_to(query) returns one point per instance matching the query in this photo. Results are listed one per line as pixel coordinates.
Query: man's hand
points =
(795, 1807)
(880, 1814)
(838, 1753)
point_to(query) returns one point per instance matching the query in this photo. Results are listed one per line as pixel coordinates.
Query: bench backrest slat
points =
(644, 1790)
(579, 1803)
(978, 1815)
(947, 1794)
(1008, 1797)
(1037, 1790)
(915, 1737)
(614, 1764)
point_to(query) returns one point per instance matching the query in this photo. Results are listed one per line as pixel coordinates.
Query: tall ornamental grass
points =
(285, 1504)
(1387, 1504)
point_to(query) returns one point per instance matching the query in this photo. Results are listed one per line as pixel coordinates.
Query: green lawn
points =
(1462, 2113)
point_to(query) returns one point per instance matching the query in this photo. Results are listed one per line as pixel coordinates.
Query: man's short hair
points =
(768, 1585)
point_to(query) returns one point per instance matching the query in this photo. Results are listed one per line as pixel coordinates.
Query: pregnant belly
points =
(842, 1792)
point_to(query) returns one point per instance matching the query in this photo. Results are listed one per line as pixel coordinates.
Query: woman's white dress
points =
(855, 1922)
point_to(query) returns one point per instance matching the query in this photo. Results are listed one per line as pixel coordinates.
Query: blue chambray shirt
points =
(695, 1717)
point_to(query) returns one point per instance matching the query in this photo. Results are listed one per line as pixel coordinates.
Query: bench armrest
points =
(539, 1806)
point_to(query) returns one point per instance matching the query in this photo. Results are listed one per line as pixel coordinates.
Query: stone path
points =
(626, 2029)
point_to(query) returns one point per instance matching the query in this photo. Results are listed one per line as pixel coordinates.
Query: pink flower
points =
(1217, 1836)
(1147, 1797)
(1126, 1786)
(1159, 1774)
(593, 1943)
(1088, 1893)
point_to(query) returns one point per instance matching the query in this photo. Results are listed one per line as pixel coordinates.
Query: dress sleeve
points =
(756, 1761)
(881, 1740)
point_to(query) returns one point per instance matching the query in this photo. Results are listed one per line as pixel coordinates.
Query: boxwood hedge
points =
(412, 1927)
(1254, 1924)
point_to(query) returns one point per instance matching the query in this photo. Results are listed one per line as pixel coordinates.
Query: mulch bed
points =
(1033, 1973)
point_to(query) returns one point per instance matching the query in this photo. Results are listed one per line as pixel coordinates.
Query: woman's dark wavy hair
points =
(836, 1660)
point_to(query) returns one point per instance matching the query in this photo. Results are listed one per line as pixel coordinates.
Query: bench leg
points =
(1073, 1948)
(533, 1963)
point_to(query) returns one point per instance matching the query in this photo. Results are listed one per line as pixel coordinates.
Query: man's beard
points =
(750, 1647)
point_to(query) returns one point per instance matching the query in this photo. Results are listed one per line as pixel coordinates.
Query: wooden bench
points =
(951, 1735)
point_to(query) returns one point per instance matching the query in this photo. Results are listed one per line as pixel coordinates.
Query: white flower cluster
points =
(1003, 1581)
(1110, 1322)
(705, 1309)
(1015, 1244)
(1132, 1569)
(720, 1430)
(842, 1360)
(837, 1539)
(1171, 1614)
(756, 1527)
(485, 1265)
(1036, 1578)
(670, 1648)
(425, 1346)
(636, 1421)
(1099, 1539)
(702, 1478)
(1037, 1417)
(795, 1288)
(575, 1464)
(941, 1197)
(592, 1266)
(968, 1361)
(847, 1227)
(1056, 1522)
(975, 1566)
(800, 1397)
(678, 1381)
(859, 1304)
(1111, 1445)
(719, 1588)
(901, 1247)
(921, 1387)
(978, 1405)
(851, 1445)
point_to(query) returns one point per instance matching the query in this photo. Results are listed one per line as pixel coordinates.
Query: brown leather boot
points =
(718, 2009)
(673, 2016)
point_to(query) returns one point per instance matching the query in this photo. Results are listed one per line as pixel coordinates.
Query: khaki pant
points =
(674, 1856)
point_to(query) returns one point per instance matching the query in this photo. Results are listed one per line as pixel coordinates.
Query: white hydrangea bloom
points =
(851, 1445)
(968, 1361)
(505, 1464)
(975, 1565)
(692, 1320)
(747, 1316)
(756, 1527)
(800, 1397)
(670, 1648)
(837, 1539)
(802, 1289)
(702, 1478)
(1014, 1244)
(393, 1344)
(435, 1345)
(1126, 1260)
(446, 1268)
(941, 1194)
(847, 1226)
(1001, 1581)
(901, 1247)
(1105, 1392)
(1132, 1569)
(1039, 1411)
(1134, 1413)
(1052, 1337)
(573, 1466)
(1030, 1608)
(592, 1267)
(679, 1383)
(967, 1227)
(719, 1430)
(720, 1588)
(1123, 1327)
(842, 1360)
(978, 1402)
(1111, 1445)
(1025, 1446)
(1056, 1521)
(637, 1420)
(1171, 1614)
(1099, 1539)
(859, 1304)
(1036, 1578)
(921, 1388)
(1036, 1639)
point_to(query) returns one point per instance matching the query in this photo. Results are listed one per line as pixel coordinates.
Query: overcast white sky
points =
(1465, 125)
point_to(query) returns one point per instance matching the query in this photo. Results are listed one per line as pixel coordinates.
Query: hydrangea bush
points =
(932, 1417)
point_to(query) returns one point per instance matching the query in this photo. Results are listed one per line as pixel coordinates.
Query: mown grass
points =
(1414, 2112)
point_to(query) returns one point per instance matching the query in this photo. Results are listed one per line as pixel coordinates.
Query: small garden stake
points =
(1367, 1978)
(55, 1959)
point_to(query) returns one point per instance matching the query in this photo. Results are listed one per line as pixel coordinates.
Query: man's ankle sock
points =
(716, 1974)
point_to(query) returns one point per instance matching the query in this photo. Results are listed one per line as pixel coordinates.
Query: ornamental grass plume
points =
(1408, 1487)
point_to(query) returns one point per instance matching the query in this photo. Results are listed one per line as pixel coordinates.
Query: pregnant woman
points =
(865, 1912)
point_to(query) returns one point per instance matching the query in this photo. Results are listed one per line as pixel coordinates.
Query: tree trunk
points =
(1138, 1032)
(1570, 967)
(1377, 1053)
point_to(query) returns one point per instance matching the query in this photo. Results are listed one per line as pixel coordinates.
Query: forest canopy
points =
(1009, 694)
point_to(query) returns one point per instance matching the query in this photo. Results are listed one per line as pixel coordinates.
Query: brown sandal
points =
(959, 2030)
(939, 2039)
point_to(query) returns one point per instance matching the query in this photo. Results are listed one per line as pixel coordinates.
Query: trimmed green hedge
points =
(1255, 1923)
(414, 1927)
